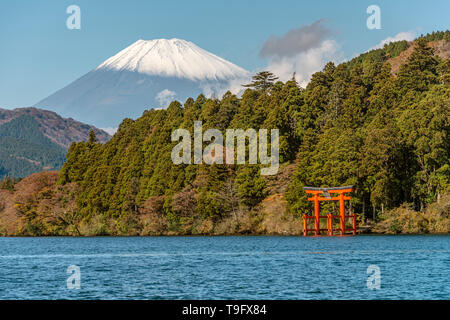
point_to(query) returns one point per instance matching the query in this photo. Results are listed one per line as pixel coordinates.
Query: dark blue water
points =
(411, 267)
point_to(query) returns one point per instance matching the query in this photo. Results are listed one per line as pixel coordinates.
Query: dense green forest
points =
(356, 123)
(25, 150)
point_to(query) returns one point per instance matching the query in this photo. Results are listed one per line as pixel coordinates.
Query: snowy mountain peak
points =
(147, 74)
(173, 58)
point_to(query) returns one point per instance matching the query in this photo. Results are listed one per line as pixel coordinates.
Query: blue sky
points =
(39, 55)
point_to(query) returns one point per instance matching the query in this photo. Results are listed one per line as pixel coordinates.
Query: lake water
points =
(411, 267)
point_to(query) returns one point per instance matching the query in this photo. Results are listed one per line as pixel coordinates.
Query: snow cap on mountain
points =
(173, 58)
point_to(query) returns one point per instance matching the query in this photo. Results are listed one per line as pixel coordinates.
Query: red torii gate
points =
(341, 197)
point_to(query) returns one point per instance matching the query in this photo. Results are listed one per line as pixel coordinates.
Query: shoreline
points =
(230, 235)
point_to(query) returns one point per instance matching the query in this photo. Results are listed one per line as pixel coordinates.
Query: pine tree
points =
(262, 81)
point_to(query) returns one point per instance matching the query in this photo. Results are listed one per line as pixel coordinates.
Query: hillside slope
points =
(32, 140)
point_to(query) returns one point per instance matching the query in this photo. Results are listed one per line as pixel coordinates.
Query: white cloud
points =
(235, 85)
(110, 130)
(305, 63)
(218, 89)
(408, 36)
(304, 50)
(165, 97)
(210, 89)
(296, 40)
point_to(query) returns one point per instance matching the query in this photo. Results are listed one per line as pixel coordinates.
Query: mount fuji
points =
(147, 74)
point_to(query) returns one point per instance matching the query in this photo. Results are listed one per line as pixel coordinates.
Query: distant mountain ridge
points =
(61, 131)
(32, 140)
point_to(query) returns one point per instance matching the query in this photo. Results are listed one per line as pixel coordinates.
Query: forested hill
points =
(32, 140)
(357, 123)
